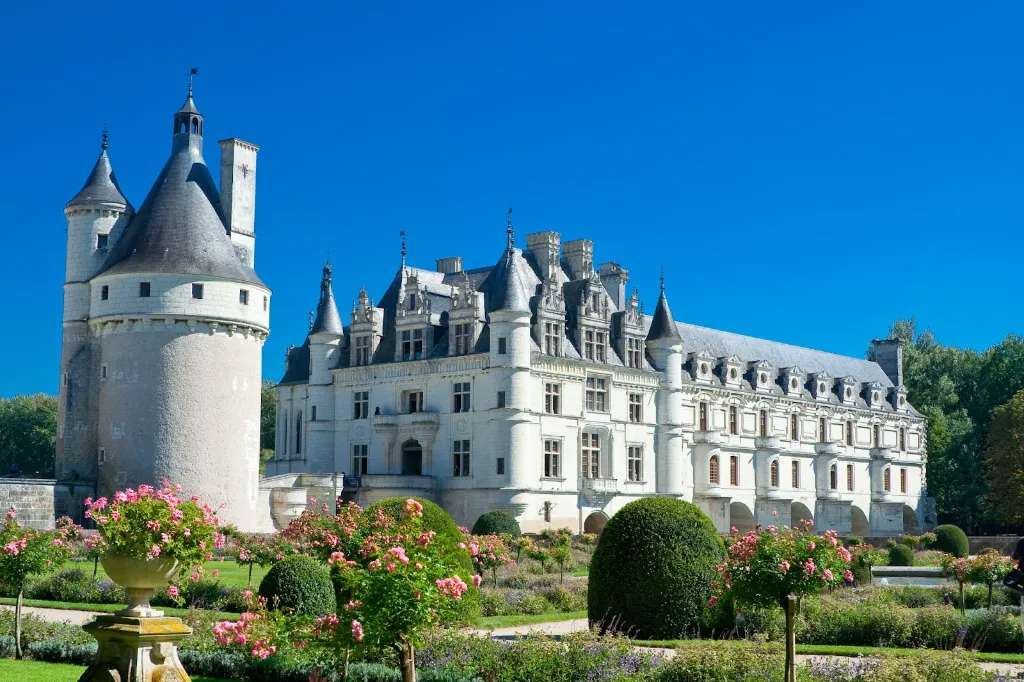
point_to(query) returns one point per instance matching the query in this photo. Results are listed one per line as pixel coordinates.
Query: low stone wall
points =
(1004, 543)
(39, 501)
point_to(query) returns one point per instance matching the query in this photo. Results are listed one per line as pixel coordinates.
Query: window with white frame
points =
(635, 462)
(849, 432)
(461, 396)
(590, 454)
(762, 427)
(360, 459)
(773, 473)
(702, 416)
(713, 470)
(903, 439)
(903, 481)
(594, 343)
(887, 479)
(634, 352)
(734, 420)
(877, 435)
(463, 338)
(360, 404)
(412, 344)
(412, 401)
(362, 350)
(833, 477)
(460, 458)
(552, 338)
(636, 407)
(597, 394)
(552, 398)
(822, 430)
(850, 482)
(734, 470)
(552, 458)
(795, 474)
(794, 427)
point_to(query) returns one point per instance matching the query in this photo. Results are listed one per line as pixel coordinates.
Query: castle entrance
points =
(412, 458)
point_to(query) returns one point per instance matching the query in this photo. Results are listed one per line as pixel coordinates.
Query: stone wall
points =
(40, 501)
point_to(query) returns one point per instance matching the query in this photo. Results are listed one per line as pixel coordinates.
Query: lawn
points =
(232, 574)
(34, 671)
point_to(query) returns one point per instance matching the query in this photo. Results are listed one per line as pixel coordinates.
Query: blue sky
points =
(806, 172)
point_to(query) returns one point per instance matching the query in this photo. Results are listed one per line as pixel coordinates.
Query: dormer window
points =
(197, 291)
(594, 343)
(412, 302)
(794, 384)
(362, 346)
(463, 333)
(552, 338)
(634, 352)
(412, 344)
(102, 240)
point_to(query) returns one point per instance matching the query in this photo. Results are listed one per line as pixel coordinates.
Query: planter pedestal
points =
(136, 649)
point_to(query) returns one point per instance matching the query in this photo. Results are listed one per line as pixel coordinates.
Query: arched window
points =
(763, 423)
(298, 433)
(849, 477)
(887, 479)
(822, 430)
(833, 477)
(773, 471)
(713, 473)
(796, 474)
(734, 470)
(849, 432)
(794, 427)
(195, 126)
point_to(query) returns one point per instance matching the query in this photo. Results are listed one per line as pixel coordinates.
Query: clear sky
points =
(804, 171)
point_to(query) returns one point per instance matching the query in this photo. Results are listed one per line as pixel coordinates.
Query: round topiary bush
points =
(651, 573)
(299, 583)
(497, 522)
(901, 555)
(952, 540)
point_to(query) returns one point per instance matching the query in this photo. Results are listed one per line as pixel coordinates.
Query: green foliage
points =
(300, 584)
(714, 661)
(652, 571)
(952, 540)
(28, 435)
(1004, 458)
(268, 415)
(497, 522)
(901, 555)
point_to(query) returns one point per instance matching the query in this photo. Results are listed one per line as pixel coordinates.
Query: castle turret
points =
(95, 217)
(178, 322)
(325, 338)
(665, 346)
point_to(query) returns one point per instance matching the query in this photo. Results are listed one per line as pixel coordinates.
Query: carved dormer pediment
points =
(822, 385)
(732, 370)
(634, 316)
(793, 380)
(847, 389)
(701, 365)
(761, 372)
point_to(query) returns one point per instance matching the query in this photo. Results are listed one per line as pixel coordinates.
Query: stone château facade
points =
(538, 386)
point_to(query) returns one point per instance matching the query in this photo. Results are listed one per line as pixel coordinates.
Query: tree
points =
(268, 421)
(1004, 456)
(28, 435)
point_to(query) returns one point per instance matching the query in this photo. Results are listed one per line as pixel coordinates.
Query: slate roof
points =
(327, 319)
(101, 186)
(662, 326)
(509, 285)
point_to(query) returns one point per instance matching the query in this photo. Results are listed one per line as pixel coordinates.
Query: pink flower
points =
(335, 558)
(784, 566)
(844, 554)
(194, 577)
(811, 545)
(848, 575)
(154, 551)
(453, 587)
(165, 538)
(177, 515)
(713, 601)
(11, 513)
(247, 594)
(357, 630)
(399, 553)
(413, 508)
(173, 590)
(809, 567)
(827, 575)
(425, 538)
(243, 555)
(153, 525)
(477, 580)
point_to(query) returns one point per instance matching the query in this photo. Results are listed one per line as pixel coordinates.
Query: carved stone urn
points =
(140, 578)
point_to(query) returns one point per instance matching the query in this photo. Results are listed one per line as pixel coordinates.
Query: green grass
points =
(232, 574)
(581, 571)
(486, 622)
(106, 608)
(36, 671)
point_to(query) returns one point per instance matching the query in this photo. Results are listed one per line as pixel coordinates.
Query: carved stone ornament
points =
(136, 649)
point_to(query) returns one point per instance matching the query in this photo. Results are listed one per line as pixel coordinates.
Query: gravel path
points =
(57, 615)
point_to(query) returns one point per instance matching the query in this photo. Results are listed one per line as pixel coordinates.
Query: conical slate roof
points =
(327, 321)
(505, 287)
(662, 325)
(180, 228)
(101, 186)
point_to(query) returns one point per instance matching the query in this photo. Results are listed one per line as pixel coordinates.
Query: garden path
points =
(58, 615)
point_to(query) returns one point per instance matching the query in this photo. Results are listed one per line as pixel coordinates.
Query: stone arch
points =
(859, 521)
(909, 520)
(741, 517)
(412, 458)
(799, 513)
(595, 522)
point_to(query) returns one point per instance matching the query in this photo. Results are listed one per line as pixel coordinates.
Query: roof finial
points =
(661, 280)
(105, 141)
(509, 230)
(310, 317)
(192, 73)
(404, 250)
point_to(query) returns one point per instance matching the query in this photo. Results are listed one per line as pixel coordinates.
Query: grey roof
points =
(101, 186)
(296, 370)
(506, 286)
(180, 228)
(327, 319)
(662, 325)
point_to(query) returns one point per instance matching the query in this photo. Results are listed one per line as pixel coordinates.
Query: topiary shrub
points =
(901, 555)
(448, 535)
(652, 571)
(497, 522)
(301, 584)
(952, 540)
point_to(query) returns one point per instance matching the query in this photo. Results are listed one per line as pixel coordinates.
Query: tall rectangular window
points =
(903, 440)
(594, 344)
(833, 477)
(887, 479)
(243, 296)
(144, 289)
(360, 459)
(460, 396)
(794, 427)
(360, 404)
(713, 470)
(849, 432)
(762, 427)
(412, 401)
(850, 483)
(552, 458)
(412, 344)
(104, 292)
(734, 470)
(552, 338)
(601, 346)
(702, 412)
(636, 407)
(502, 346)
(590, 455)
(499, 466)
(734, 420)
(635, 462)
(501, 399)
(822, 430)
(102, 240)
(877, 435)
(795, 466)
(552, 398)
(597, 394)
(463, 338)
(362, 350)
(197, 291)
(634, 352)
(460, 458)
(903, 481)
(312, 413)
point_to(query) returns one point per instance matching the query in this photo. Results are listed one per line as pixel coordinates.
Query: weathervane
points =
(192, 73)
(404, 250)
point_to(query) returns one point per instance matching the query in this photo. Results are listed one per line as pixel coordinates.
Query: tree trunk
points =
(494, 574)
(791, 608)
(249, 581)
(344, 670)
(17, 624)
(408, 657)
(963, 606)
(95, 566)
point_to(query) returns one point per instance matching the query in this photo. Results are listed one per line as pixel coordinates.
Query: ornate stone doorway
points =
(412, 458)
(595, 523)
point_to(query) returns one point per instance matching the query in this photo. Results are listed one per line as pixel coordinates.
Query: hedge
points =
(952, 540)
(497, 522)
(301, 584)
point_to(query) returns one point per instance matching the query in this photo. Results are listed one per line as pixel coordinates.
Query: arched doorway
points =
(859, 522)
(799, 514)
(909, 520)
(740, 517)
(595, 523)
(412, 458)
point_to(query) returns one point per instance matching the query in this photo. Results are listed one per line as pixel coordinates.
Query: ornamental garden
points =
(397, 591)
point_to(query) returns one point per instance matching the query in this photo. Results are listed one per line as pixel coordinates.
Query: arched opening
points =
(412, 458)
(740, 517)
(713, 470)
(595, 523)
(859, 522)
(773, 473)
(195, 126)
(298, 433)
(909, 520)
(800, 515)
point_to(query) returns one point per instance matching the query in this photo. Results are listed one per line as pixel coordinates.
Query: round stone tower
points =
(177, 319)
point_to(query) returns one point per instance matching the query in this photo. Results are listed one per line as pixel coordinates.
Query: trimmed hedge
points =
(651, 573)
(952, 540)
(901, 555)
(497, 522)
(299, 583)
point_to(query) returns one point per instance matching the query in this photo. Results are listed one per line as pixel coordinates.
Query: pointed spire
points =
(101, 186)
(327, 320)
(105, 140)
(510, 233)
(404, 249)
(663, 327)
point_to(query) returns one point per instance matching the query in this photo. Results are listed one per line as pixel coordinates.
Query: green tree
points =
(268, 421)
(28, 435)
(1004, 455)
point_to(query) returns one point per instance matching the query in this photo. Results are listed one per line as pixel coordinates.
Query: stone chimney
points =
(546, 249)
(450, 265)
(238, 195)
(888, 353)
(579, 254)
(614, 278)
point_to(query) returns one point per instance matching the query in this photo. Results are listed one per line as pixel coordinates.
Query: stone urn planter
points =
(140, 578)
